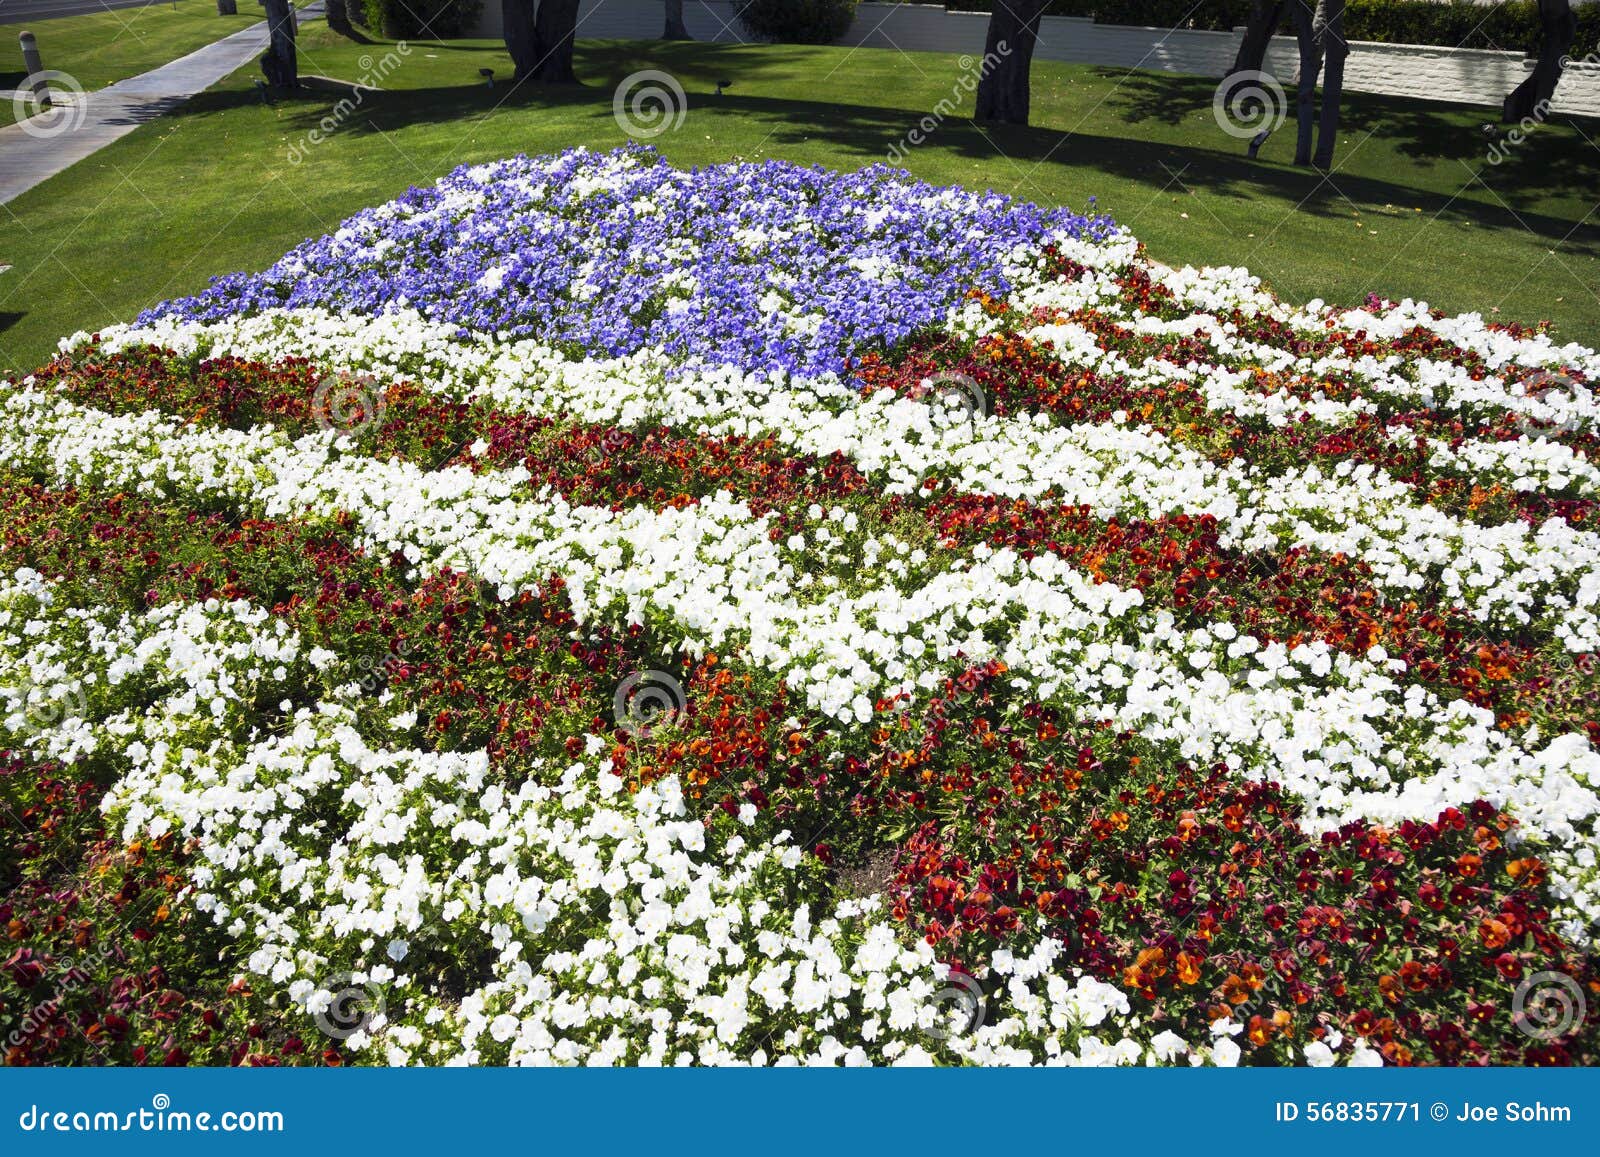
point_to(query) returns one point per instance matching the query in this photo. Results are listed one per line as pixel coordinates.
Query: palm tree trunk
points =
(1558, 27)
(278, 63)
(1310, 67)
(516, 19)
(554, 30)
(1263, 22)
(339, 17)
(1013, 33)
(1329, 29)
(676, 28)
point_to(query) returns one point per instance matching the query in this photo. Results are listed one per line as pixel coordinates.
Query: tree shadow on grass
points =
(1159, 164)
(1428, 133)
(866, 133)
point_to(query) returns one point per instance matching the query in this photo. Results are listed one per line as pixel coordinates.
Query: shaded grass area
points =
(105, 47)
(1413, 208)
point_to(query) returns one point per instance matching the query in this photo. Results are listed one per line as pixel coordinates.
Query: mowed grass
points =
(104, 47)
(1413, 209)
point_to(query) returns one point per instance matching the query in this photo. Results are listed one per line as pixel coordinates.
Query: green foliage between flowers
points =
(983, 819)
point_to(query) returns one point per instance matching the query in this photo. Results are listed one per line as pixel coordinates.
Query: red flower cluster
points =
(104, 963)
(985, 817)
(1203, 895)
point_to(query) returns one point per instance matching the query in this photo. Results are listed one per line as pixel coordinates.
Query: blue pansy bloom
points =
(766, 266)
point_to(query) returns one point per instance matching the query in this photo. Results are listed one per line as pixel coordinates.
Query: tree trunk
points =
(554, 30)
(278, 63)
(1310, 67)
(516, 18)
(676, 28)
(1557, 29)
(1331, 45)
(339, 17)
(1263, 22)
(1013, 33)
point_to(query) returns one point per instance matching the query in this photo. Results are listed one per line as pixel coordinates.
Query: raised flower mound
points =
(767, 265)
(1060, 660)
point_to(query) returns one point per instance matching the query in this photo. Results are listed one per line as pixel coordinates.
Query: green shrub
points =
(419, 19)
(1513, 26)
(798, 21)
(1208, 14)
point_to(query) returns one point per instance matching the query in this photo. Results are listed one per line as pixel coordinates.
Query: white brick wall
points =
(1458, 75)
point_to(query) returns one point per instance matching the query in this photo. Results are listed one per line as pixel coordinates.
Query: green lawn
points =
(1413, 209)
(105, 47)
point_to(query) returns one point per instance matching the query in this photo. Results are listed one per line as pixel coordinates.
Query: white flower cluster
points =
(1521, 368)
(66, 664)
(1508, 575)
(1346, 734)
(611, 929)
(1524, 463)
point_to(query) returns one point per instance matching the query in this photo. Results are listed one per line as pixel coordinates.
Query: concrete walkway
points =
(26, 11)
(93, 120)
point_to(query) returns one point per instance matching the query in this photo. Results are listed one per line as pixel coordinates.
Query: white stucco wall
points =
(1458, 75)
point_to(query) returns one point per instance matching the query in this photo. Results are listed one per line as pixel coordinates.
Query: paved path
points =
(93, 120)
(22, 11)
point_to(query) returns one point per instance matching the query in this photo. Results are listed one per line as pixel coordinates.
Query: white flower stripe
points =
(1524, 463)
(1520, 365)
(620, 932)
(1343, 733)
(1508, 575)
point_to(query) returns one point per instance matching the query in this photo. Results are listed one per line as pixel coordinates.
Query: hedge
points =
(797, 21)
(419, 19)
(1459, 23)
